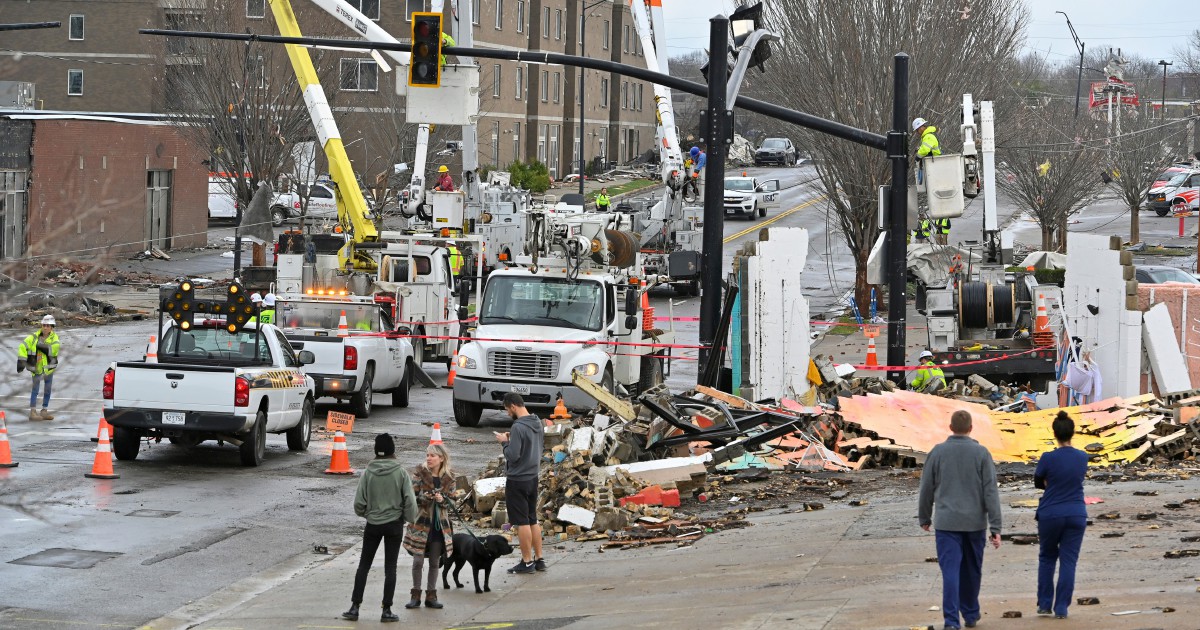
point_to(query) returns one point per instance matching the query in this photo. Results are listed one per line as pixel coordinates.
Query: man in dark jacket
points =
(523, 453)
(959, 498)
(385, 498)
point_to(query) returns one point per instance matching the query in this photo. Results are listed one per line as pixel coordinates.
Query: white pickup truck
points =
(355, 366)
(211, 384)
(750, 196)
(321, 203)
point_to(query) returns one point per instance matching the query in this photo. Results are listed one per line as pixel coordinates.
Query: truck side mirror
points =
(306, 357)
(631, 308)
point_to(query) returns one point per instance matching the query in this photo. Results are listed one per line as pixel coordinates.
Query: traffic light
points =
(743, 23)
(181, 304)
(425, 65)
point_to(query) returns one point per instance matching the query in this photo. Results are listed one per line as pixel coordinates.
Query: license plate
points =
(519, 389)
(173, 417)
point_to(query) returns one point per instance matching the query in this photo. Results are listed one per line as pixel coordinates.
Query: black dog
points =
(480, 553)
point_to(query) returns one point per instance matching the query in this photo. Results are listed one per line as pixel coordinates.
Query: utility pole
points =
(714, 186)
(244, 165)
(897, 248)
(583, 84)
(1079, 46)
(1162, 110)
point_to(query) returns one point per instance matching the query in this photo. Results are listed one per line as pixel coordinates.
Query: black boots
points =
(431, 600)
(415, 599)
(388, 615)
(352, 614)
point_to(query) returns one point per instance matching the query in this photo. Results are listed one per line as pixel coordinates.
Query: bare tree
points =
(1051, 163)
(837, 63)
(1145, 147)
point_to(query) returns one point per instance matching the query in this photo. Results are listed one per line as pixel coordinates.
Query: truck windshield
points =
(327, 315)
(204, 342)
(543, 302)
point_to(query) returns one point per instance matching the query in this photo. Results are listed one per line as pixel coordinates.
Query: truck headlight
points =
(587, 369)
(466, 362)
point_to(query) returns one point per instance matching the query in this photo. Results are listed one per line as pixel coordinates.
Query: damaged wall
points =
(1101, 276)
(1183, 303)
(774, 330)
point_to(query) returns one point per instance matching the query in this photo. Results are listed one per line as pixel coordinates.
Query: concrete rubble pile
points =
(843, 380)
(68, 309)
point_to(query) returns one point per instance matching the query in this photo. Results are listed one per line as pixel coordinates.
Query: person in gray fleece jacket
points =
(523, 456)
(960, 499)
(385, 498)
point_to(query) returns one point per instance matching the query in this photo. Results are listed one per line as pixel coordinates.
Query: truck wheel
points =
(762, 212)
(278, 216)
(400, 394)
(361, 401)
(652, 373)
(254, 443)
(691, 288)
(606, 381)
(466, 414)
(298, 436)
(126, 443)
(1161, 213)
(419, 349)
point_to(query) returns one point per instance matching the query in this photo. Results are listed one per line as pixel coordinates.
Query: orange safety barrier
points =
(339, 460)
(102, 465)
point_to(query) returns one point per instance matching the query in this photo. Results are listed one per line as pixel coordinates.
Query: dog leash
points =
(462, 520)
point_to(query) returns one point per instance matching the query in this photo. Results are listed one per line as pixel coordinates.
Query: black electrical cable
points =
(972, 305)
(1003, 303)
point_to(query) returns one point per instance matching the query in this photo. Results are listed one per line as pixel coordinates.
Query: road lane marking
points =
(762, 224)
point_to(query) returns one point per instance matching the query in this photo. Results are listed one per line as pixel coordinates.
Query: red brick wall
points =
(87, 194)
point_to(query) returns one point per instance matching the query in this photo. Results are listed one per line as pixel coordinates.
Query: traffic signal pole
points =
(714, 187)
(897, 238)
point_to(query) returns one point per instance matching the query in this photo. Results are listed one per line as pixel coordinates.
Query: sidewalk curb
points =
(240, 592)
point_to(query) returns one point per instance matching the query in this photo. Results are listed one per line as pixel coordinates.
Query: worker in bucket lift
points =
(929, 144)
(929, 378)
(445, 182)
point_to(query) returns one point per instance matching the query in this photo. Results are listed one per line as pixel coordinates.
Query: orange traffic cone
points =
(647, 313)
(560, 411)
(436, 436)
(102, 467)
(343, 327)
(152, 350)
(1042, 323)
(102, 426)
(5, 452)
(453, 370)
(872, 359)
(339, 461)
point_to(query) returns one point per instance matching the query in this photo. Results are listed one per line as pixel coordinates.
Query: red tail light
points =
(241, 392)
(349, 358)
(110, 383)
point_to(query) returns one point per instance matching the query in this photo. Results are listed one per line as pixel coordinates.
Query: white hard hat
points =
(48, 320)
(919, 122)
(255, 298)
(925, 354)
(269, 300)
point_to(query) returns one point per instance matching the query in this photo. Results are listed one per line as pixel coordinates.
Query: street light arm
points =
(1078, 44)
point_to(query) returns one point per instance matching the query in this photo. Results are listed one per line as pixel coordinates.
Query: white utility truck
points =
(573, 303)
(218, 376)
(750, 196)
(358, 363)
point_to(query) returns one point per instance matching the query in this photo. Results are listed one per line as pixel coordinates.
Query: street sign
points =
(339, 421)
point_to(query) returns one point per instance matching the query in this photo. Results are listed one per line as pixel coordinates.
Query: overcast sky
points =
(1150, 28)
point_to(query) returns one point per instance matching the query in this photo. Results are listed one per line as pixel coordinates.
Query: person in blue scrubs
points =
(1061, 517)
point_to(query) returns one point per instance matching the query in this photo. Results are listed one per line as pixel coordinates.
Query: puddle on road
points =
(66, 558)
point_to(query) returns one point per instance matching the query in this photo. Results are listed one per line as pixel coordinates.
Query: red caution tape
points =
(445, 323)
(911, 368)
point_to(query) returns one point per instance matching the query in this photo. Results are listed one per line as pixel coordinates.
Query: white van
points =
(1182, 188)
(222, 203)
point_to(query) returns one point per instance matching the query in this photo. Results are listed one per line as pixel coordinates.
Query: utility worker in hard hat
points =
(928, 146)
(603, 201)
(456, 258)
(941, 231)
(924, 229)
(445, 182)
(446, 41)
(929, 378)
(255, 299)
(39, 354)
(267, 314)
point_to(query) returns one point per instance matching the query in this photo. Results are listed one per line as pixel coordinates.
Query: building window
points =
(75, 32)
(370, 8)
(520, 16)
(520, 83)
(499, 15)
(516, 141)
(546, 22)
(579, 89)
(541, 146)
(639, 96)
(74, 82)
(476, 9)
(496, 81)
(179, 21)
(557, 86)
(625, 38)
(545, 85)
(359, 75)
(604, 93)
(624, 95)
(412, 6)
(607, 34)
(496, 143)
(558, 20)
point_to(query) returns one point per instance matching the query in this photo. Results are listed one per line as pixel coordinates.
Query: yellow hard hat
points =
(443, 169)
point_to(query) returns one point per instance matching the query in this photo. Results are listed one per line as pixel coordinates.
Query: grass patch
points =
(621, 189)
(1166, 251)
(847, 326)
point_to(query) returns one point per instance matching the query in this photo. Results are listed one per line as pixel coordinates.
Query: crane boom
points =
(671, 157)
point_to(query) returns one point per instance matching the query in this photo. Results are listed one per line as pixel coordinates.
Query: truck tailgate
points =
(328, 351)
(173, 386)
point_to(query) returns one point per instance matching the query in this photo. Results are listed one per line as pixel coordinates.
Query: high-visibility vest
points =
(943, 225)
(456, 260)
(602, 200)
(267, 316)
(929, 143)
(44, 362)
(922, 230)
(927, 375)
(446, 41)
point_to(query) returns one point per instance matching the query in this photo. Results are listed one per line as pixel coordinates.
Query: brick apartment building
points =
(98, 63)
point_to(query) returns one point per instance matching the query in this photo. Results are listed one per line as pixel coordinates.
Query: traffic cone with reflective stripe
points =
(152, 350)
(343, 327)
(560, 411)
(436, 436)
(872, 359)
(102, 467)
(5, 451)
(453, 370)
(339, 461)
(1042, 323)
(102, 426)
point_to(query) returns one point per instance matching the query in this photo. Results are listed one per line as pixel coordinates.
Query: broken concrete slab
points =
(576, 515)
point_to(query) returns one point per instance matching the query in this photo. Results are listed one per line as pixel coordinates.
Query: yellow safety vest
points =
(446, 41)
(267, 316)
(929, 143)
(456, 260)
(928, 374)
(43, 363)
(602, 200)
(922, 230)
(943, 225)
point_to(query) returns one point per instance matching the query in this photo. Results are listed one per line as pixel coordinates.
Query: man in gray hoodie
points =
(523, 447)
(385, 498)
(958, 489)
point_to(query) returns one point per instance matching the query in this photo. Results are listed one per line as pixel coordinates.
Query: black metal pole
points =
(897, 249)
(241, 212)
(1162, 108)
(581, 88)
(714, 184)
(1079, 81)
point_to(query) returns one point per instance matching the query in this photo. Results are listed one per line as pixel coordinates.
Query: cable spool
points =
(622, 248)
(973, 305)
(1004, 304)
(385, 269)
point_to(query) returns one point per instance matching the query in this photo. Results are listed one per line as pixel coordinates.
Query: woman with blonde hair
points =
(432, 536)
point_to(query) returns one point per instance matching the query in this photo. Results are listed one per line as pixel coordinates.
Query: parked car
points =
(322, 203)
(222, 204)
(779, 151)
(1158, 274)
